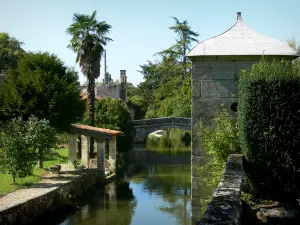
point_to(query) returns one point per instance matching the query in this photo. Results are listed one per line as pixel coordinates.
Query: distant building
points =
(118, 91)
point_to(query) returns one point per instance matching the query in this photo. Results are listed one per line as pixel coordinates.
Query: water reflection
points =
(155, 189)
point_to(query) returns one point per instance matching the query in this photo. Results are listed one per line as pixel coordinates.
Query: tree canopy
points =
(10, 52)
(42, 86)
(166, 89)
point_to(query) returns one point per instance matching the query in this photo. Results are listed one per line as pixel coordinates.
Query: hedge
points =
(268, 122)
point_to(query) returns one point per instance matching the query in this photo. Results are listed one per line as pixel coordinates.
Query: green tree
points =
(10, 52)
(185, 38)
(107, 79)
(293, 44)
(42, 137)
(16, 156)
(44, 87)
(88, 41)
(167, 82)
(113, 114)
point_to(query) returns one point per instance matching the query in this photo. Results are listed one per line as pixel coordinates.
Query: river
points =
(155, 188)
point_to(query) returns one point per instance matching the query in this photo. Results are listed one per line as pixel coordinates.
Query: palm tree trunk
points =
(91, 102)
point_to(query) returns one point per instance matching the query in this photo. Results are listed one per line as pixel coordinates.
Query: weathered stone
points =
(54, 169)
(147, 126)
(226, 206)
(280, 210)
(25, 205)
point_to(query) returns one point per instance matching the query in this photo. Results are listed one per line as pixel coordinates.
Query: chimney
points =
(123, 78)
(123, 81)
(239, 16)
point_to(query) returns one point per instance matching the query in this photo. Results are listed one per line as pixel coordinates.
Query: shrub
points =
(218, 141)
(268, 122)
(42, 137)
(16, 156)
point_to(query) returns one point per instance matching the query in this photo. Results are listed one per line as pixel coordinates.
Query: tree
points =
(10, 52)
(42, 137)
(44, 87)
(113, 114)
(185, 38)
(88, 41)
(107, 79)
(16, 156)
(293, 44)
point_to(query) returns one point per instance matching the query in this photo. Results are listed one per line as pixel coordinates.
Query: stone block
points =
(217, 88)
(225, 206)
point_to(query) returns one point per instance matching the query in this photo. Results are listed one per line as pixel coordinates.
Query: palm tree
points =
(88, 41)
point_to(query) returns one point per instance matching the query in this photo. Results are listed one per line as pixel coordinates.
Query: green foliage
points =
(220, 140)
(44, 87)
(185, 37)
(113, 114)
(42, 137)
(17, 157)
(166, 75)
(172, 140)
(268, 122)
(10, 52)
(107, 79)
(293, 44)
(166, 89)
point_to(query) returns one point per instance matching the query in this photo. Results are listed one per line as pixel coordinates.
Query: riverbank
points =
(25, 205)
(58, 156)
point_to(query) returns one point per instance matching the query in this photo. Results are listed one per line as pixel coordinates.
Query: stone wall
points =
(28, 211)
(226, 206)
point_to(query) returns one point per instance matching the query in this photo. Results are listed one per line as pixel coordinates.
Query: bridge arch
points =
(144, 127)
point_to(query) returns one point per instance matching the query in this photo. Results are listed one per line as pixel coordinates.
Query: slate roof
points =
(240, 39)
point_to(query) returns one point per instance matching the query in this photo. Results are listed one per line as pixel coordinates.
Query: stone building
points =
(118, 91)
(217, 63)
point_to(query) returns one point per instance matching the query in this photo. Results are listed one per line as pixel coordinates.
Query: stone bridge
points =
(147, 126)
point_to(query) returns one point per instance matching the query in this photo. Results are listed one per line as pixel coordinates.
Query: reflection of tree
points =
(173, 183)
(125, 206)
(104, 211)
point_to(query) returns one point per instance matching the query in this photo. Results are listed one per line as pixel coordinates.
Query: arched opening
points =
(168, 138)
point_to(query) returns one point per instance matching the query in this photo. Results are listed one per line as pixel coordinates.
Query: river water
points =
(155, 188)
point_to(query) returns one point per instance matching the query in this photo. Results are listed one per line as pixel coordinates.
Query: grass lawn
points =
(6, 184)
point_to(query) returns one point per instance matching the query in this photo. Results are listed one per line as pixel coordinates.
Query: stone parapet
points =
(26, 205)
(226, 206)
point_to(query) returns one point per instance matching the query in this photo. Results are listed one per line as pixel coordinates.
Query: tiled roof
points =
(98, 129)
(241, 40)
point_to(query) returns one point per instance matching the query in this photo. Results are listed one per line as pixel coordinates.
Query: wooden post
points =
(101, 158)
(85, 146)
(72, 149)
(112, 154)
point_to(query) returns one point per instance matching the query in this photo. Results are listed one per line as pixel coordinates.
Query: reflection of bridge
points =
(147, 126)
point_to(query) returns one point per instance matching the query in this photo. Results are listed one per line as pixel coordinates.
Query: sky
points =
(140, 28)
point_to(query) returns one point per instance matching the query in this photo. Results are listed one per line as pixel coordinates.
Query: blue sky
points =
(140, 27)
